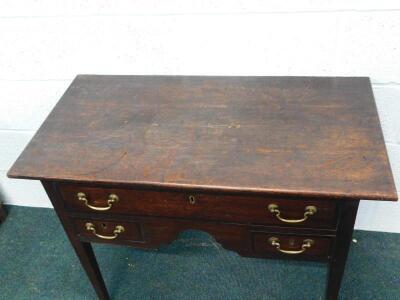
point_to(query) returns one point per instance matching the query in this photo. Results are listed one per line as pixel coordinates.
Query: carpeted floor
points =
(37, 262)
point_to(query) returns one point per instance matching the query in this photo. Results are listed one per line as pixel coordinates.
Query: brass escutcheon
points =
(192, 199)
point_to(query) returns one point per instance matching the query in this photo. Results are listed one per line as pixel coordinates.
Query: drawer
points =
(219, 207)
(292, 246)
(115, 232)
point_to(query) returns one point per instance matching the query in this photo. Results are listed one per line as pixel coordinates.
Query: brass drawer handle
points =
(118, 229)
(112, 198)
(309, 211)
(274, 241)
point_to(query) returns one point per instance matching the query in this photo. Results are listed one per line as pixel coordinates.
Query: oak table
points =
(271, 167)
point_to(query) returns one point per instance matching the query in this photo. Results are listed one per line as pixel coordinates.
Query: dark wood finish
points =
(320, 248)
(237, 144)
(348, 213)
(2, 213)
(222, 207)
(304, 136)
(247, 240)
(157, 232)
(132, 231)
(83, 250)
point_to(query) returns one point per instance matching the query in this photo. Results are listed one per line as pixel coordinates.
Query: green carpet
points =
(37, 262)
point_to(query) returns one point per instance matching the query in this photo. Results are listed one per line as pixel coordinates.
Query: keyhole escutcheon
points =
(192, 199)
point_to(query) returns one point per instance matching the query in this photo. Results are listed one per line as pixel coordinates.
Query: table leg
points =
(83, 250)
(348, 213)
(2, 213)
(88, 261)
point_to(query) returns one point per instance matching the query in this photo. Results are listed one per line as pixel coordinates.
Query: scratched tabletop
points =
(307, 136)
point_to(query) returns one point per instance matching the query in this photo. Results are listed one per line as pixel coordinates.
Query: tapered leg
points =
(83, 250)
(348, 213)
(85, 254)
(2, 213)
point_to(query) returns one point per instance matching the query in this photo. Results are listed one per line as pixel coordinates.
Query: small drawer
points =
(291, 246)
(115, 232)
(207, 206)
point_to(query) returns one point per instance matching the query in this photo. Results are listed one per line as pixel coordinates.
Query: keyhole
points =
(192, 199)
(103, 225)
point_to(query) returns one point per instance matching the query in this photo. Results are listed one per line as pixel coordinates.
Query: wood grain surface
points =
(218, 207)
(305, 136)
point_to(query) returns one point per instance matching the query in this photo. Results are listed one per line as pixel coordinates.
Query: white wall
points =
(44, 44)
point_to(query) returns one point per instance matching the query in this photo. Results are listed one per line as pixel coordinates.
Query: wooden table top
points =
(307, 136)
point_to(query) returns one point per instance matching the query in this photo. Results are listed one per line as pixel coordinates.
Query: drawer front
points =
(114, 232)
(292, 246)
(229, 208)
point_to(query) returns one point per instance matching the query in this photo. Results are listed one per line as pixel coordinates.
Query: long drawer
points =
(220, 207)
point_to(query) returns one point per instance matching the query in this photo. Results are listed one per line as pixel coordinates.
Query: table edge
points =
(222, 189)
